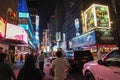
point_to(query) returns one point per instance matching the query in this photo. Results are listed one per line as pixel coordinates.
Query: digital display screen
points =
(89, 17)
(102, 16)
(15, 32)
(97, 16)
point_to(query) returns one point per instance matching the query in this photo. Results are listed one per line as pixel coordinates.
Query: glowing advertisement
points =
(84, 40)
(58, 36)
(97, 16)
(2, 27)
(89, 18)
(15, 32)
(23, 15)
(102, 16)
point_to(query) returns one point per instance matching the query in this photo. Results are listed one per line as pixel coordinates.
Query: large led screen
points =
(102, 16)
(97, 16)
(89, 18)
(2, 27)
(15, 32)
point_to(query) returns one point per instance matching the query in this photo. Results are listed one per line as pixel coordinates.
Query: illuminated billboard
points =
(89, 18)
(97, 16)
(58, 36)
(2, 27)
(16, 33)
(86, 39)
(23, 15)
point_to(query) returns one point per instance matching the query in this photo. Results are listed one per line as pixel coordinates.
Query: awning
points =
(15, 34)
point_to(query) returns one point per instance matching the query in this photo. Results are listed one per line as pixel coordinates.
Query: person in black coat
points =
(29, 71)
(6, 71)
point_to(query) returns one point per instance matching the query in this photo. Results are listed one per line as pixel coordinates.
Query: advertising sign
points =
(84, 40)
(97, 16)
(105, 37)
(23, 21)
(58, 36)
(77, 26)
(102, 16)
(2, 27)
(89, 18)
(15, 32)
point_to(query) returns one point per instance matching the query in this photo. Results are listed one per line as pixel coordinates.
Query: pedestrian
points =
(98, 54)
(12, 56)
(1, 50)
(29, 70)
(40, 61)
(8, 57)
(60, 67)
(6, 71)
(21, 57)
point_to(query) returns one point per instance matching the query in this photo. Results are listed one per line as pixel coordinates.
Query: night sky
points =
(46, 9)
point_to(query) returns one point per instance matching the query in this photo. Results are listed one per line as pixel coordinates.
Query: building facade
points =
(103, 37)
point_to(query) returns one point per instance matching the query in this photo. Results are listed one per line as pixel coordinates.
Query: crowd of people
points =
(33, 68)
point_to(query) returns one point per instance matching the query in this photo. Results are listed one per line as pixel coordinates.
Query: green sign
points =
(102, 16)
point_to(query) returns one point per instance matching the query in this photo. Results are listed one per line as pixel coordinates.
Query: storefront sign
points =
(23, 15)
(89, 18)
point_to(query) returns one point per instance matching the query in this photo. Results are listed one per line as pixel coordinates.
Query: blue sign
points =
(22, 6)
(23, 15)
(84, 40)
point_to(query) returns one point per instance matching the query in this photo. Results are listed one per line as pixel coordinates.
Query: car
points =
(106, 68)
(80, 57)
(69, 54)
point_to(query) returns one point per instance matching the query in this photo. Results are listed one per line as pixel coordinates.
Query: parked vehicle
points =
(107, 68)
(79, 58)
(69, 54)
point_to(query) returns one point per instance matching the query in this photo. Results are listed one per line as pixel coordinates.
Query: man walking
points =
(60, 67)
(1, 50)
(40, 61)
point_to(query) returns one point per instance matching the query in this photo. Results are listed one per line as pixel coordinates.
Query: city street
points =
(71, 76)
(86, 32)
